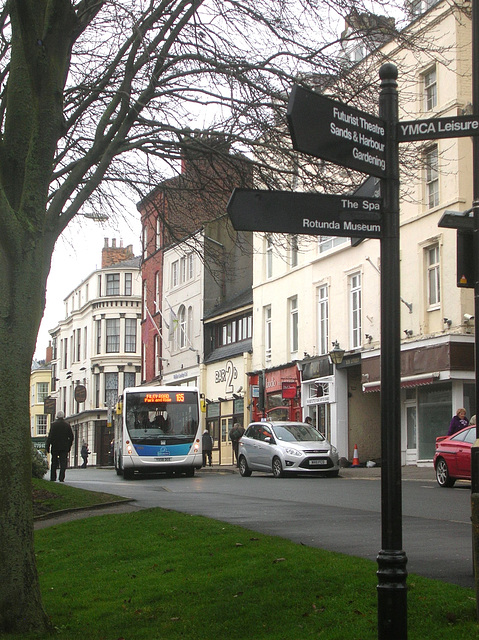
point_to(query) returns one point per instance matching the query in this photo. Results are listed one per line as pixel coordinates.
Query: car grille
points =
(313, 452)
(314, 463)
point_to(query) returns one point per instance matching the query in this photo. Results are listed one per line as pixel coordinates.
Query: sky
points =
(77, 254)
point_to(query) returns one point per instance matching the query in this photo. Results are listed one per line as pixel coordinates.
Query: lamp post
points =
(97, 217)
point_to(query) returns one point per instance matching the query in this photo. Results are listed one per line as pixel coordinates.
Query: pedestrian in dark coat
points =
(207, 447)
(59, 442)
(236, 433)
(458, 422)
(84, 454)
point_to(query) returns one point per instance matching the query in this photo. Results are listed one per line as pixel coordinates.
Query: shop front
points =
(324, 397)
(276, 394)
(226, 403)
(437, 377)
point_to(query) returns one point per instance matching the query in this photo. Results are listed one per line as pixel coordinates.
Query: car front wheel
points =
(244, 470)
(442, 474)
(277, 468)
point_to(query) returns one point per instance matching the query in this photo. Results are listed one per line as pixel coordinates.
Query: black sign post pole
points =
(392, 560)
(475, 210)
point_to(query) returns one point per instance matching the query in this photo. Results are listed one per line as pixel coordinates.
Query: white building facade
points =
(96, 350)
(312, 291)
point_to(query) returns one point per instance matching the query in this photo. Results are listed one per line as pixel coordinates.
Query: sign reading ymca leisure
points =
(433, 128)
(333, 131)
(305, 213)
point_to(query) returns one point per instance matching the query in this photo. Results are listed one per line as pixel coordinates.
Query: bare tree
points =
(100, 98)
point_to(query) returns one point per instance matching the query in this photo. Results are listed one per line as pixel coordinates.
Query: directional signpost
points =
(436, 128)
(333, 131)
(305, 213)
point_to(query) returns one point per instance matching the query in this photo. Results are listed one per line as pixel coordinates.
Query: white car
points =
(286, 447)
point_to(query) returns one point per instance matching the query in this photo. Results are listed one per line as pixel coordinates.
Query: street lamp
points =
(97, 217)
(336, 354)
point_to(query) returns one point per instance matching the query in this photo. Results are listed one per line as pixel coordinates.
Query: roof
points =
(230, 351)
(241, 300)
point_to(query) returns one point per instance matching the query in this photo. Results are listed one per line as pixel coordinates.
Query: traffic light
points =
(465, 259)
(463, 222)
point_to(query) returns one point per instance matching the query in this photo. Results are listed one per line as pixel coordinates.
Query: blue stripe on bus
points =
(157, 450)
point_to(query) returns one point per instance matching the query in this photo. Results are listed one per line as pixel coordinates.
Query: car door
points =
(265, 450)
(464, 453)
(249, 445)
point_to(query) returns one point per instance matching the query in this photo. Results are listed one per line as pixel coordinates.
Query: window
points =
(113, 335)
(144, 242)
(99, 285)
(156, 354)
(267, 333)
(129, 379)
(433, 278)
(158, 234)
(430, 89)
(293, 325)
(111, 389)
(183, 269)
(355, 310)
(181, 328)
(326, 243)
(143, 295)
(269, 257)
(98, 336)
(128, 284)
(85, 342)
(323, 320)
(42, 391)
(235, 330)
(432, 177)
(157, 290)
(41, 425)
(130, 335)
(78, 345)
(174, 274)
(189, 325)
(190, 266)
(112, 284)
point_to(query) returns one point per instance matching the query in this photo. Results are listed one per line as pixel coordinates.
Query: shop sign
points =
(288, 390)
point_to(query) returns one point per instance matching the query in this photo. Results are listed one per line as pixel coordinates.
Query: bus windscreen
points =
(157, 418)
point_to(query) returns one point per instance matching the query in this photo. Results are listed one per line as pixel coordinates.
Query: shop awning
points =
(406, 382)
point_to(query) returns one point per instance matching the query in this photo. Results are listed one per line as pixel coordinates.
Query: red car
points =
(452, 459)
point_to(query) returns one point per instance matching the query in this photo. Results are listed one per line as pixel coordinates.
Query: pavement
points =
(409, 472)
(124, 505)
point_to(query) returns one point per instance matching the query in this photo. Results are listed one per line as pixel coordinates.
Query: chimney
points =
(49, 353)
(112, 255)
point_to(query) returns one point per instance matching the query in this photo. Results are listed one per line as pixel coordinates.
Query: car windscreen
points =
(297, 433)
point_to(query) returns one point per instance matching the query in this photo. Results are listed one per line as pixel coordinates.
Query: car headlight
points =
(294, 452)
(333, 449)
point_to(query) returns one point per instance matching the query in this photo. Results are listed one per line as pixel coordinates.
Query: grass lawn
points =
(49, 497)
(158, 574)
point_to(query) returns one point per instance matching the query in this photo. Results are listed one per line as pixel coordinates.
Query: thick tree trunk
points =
(21, 306)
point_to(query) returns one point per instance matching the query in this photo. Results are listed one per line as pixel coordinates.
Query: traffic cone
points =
(356, 456)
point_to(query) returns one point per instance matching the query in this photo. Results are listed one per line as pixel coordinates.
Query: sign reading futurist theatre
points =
(333, 131)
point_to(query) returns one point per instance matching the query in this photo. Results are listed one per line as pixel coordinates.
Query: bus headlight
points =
(129, 449)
